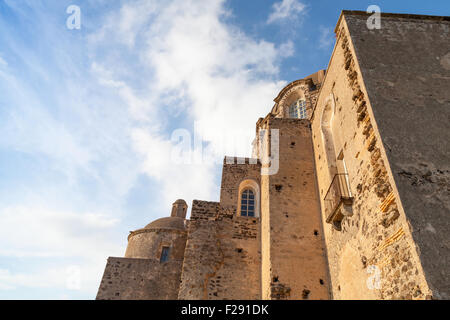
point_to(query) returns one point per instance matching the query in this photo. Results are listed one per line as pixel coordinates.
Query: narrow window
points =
(298, 110)
(164, 254)
(247, 203)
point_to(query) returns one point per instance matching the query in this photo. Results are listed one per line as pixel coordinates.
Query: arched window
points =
(248, 203)
(298, 109)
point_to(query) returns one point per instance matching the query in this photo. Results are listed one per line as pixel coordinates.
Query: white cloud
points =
(44, 279)
(287, 49)
(153, 66)
(3, 62)
(189, 181)
(128, 22)
(286, 9)
(225, 74)
(78, 280)
(33, 231)
(219, 77)
(326, 38)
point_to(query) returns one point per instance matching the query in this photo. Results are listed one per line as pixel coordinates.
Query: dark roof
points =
(392, 15)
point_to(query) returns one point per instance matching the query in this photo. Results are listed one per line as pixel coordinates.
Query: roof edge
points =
(289, 86)
(392, 15)
(304, 80)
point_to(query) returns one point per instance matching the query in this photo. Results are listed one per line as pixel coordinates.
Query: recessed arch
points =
(293, 92)
(338, 198)
(328, 139)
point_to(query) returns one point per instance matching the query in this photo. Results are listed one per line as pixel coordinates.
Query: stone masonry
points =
(354, 202)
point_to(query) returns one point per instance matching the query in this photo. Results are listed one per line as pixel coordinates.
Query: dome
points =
(180, 201)
(167, 223)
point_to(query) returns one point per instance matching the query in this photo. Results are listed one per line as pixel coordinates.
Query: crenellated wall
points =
(222, 257)
(236, 170)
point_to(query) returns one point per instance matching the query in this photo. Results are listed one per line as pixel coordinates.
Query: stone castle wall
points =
(406, 70)
(140, 279)
(380, 117)
(293, 250)
(234, 172)
(377, 236)
(222, 258)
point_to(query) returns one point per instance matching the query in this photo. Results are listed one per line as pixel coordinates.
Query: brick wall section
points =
(293, 245)
(139, 279)
(408, 83)
(222, 258)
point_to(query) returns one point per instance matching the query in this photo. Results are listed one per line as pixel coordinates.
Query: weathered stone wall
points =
(382, 117)
(377, 236)
(406, 70)
(222, 258)
(235, 170)
(139, 279)
(147, 244)
(293, 248)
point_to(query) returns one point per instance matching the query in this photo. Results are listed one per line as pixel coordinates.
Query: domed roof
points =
(167, 223)
(180, 201)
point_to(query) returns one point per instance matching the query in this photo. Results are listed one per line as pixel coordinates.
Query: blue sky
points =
(88, 117)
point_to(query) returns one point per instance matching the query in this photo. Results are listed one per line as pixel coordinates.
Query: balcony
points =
(338, 200)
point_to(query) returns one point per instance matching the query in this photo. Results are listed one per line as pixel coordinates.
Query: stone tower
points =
(179, 209)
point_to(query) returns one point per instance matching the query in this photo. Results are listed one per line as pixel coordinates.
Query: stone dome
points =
(167, 223)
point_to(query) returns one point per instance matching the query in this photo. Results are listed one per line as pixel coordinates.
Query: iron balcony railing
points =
(338, 193)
